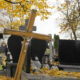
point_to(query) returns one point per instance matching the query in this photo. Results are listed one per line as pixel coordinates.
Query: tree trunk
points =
(75, 37)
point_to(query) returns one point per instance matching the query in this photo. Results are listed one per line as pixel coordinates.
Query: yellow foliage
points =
(58, 73)
(62, 5)
(36, 73)
(5, 78)
(58, 8)
(23, 7)
(20, 8)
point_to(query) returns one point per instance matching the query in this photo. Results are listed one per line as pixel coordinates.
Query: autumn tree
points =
(70, 9)
(22, 8)
(6, 21)
(14, 23)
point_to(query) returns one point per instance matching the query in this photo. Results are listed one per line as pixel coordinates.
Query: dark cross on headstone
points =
(25, 26)
(27, 35)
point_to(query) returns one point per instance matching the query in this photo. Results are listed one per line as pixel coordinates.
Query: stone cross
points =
(27, 35)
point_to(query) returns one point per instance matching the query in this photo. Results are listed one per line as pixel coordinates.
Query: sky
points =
(51, 25)
(48, 26)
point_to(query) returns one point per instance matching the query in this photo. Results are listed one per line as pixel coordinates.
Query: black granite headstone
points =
(36, 48)
(1, 35)
(69, 52)
(14, 46)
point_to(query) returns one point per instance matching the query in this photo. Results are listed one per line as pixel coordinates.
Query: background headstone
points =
(69, 52)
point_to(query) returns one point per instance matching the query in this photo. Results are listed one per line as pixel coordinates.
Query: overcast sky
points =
(51, 25)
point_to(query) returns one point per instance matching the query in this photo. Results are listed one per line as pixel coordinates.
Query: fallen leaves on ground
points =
(58, 73)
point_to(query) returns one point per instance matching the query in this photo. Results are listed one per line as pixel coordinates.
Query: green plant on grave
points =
(56, 39)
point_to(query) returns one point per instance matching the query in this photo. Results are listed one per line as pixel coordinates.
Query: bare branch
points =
(12, 2)
(23, 6)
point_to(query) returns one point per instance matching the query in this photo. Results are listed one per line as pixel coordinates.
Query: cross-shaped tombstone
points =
(26, 36)
(25, 26)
